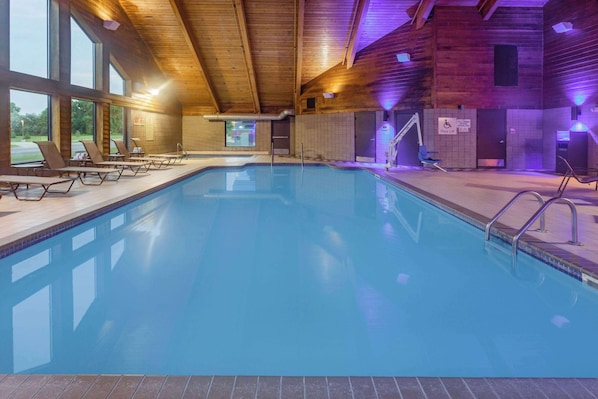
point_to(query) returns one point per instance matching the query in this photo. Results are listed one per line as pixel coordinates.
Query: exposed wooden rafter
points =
(361, 10)
(194, 47)
(299, 26)
(423, 12)
(487, 8)
(242, 26)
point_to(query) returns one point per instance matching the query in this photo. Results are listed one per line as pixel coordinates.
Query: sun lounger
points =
(14, 182)
(572, 174)
(55, 163)
(156, 162)
(96, 158)
(179, 156)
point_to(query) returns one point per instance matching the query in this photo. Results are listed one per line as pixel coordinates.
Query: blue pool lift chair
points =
(425, 158)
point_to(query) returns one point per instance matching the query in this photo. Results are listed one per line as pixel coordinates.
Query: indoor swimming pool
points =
(285, 270)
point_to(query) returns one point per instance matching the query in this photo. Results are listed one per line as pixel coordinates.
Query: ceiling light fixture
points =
(562, 27)
(403, 57)
(111, 25)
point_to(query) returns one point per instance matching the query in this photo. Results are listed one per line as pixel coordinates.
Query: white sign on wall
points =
(447, 125)
(463, 125)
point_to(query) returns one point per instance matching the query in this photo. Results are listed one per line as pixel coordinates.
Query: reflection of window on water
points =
(116, 251)
(117, 221)
(83, 238)
(84, 289)
(31, 331)
(29, 265)
(240, 133)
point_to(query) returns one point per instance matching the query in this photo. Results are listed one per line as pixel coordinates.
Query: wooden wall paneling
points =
(464, 57)
(570, 58)
(65, 126)
(377, 80)
(104, 115)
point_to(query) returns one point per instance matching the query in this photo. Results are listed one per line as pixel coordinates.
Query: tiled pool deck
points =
(473, 195)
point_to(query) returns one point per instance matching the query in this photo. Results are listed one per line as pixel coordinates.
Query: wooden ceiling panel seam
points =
(487, 8)
(423, 12)
(299, 26)
(185, 26)
(356, 28)
(246, 45)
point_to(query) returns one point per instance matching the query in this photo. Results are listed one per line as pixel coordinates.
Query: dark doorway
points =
(281, 136)
(492, 138)
(365, 136)
(409, 145)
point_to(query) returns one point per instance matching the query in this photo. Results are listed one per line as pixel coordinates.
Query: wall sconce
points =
(110, 24)
(403, 57)
(385, 116)
(562, 27)
(579, 127)
(328, 95)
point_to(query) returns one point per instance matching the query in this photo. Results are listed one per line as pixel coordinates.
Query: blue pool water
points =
(289, 271)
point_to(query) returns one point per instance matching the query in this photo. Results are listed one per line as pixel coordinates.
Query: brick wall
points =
(525, 142)
(326, 136)
(199, 134)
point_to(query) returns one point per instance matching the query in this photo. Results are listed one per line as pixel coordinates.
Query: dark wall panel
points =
(571, 58)
(464, 59)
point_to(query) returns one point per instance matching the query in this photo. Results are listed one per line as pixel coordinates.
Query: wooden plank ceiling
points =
(253, 56)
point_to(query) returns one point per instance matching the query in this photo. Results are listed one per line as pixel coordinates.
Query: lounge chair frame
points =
(55, 163)
(15, 182)
(97, 159)
(179, 156)
(570, 173)
(156, 162)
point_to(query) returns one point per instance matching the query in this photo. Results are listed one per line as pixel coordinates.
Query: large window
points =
(29, 37)
(240, 133)
(117, 83)
(82, 123)
(117, 125)
(29, 121)
(82, 57)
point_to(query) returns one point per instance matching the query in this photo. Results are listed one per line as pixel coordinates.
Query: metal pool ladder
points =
(539, 214)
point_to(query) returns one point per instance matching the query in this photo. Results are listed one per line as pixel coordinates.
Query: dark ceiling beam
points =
(242, 26)
(299, 26)
(423, 12)
(487, 8)
(194, 48)
(356, 28)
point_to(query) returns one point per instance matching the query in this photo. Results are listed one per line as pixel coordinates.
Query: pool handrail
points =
(508, 205)
(540, 213)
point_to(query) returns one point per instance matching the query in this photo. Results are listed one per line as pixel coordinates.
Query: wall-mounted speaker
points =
(311, 103)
